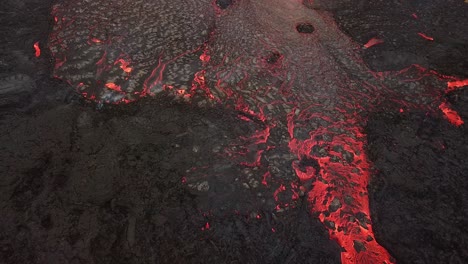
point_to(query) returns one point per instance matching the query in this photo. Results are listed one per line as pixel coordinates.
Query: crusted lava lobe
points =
(280, 63)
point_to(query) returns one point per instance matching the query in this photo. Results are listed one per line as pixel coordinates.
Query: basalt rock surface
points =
(249, 121)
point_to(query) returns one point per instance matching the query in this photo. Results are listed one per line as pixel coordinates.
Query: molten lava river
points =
(284, 67)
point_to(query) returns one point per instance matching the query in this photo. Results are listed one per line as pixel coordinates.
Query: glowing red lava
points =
(424, 36)
(451, 115)
(314, 87)
(37, 49)
(114, 87)
(457, 84)
(373, 42)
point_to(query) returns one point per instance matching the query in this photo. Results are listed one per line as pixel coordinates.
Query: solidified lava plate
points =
(279, 63)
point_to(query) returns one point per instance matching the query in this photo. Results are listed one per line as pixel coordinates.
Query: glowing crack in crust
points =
(313, 86)
(118, 50)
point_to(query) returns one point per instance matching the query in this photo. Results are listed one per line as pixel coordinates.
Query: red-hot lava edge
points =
(331, 164)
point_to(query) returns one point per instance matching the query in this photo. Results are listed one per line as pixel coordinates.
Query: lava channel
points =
(306, 82)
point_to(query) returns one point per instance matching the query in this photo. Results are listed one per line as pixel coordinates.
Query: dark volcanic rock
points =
(123, 184)
(398, 24)
(417, 196)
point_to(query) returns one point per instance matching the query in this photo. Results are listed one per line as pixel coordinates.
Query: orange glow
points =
(95, 40)
(451, 115)
(37, 49)
(124, 65)
(205, 57)
(426, 36)
(340, 177)
(114, 87)
(373, 42)
(454, 85)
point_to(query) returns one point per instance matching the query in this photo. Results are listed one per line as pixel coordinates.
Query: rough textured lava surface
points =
(268, 131)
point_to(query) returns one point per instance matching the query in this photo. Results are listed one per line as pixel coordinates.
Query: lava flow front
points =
(276, 62)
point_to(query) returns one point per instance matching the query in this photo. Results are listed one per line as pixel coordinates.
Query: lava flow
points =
(37, 50)
(277, 63)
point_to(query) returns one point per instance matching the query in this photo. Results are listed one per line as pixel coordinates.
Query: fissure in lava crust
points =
(279, 64)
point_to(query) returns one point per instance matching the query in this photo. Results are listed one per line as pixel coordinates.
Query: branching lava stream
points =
(278, 63)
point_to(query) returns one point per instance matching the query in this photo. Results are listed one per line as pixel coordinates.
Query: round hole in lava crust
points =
(305, 28)
(223, 4)
(274, 57)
